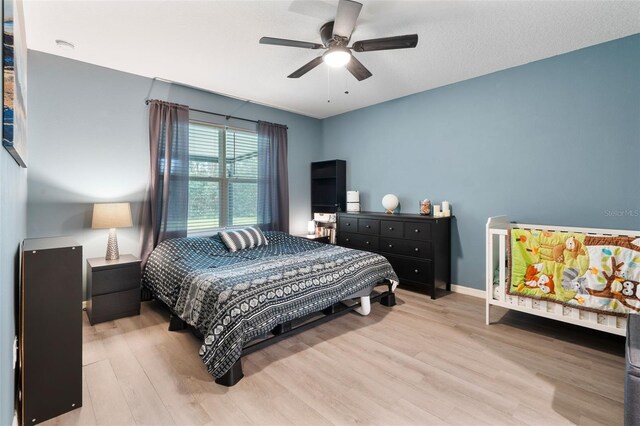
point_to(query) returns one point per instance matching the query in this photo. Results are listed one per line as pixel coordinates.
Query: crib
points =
(496, 295)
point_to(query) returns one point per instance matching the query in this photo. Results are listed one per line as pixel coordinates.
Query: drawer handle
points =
(416, 231)
(390, 245)
(347, 240)
(416, 249)
(348, 224)
(416, 271)
(367, 243)
(367, 226)
(391, 228)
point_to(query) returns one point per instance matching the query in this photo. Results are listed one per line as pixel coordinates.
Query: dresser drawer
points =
(420, 249)
(358, 241)
(412, 269)
(125, 277)
(369, 226)
(417, 231)
(391, 228)
(347, 224)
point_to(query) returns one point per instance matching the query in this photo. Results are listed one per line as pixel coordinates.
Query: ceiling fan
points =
(335, 36)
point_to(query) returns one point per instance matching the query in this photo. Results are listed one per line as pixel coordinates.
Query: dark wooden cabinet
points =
(50, 328)
(418, 247)
(328, 186)
(113, 288)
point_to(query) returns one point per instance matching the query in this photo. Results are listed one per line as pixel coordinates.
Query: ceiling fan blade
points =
(346, 17)
(387, 43)
(306, 68)
(358, 70)
(290, 43)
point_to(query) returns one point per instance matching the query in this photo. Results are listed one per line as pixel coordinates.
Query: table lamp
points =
(112, 216)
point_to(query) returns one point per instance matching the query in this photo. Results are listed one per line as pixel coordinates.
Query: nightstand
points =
(113, 288)
(312, 237)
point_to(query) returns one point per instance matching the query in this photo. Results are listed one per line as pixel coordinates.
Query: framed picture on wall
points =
(14, 81)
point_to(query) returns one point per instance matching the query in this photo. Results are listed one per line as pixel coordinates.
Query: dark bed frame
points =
(281, 331)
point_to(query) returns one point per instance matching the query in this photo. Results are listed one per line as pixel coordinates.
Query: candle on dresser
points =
(436, 210)
(445, 206)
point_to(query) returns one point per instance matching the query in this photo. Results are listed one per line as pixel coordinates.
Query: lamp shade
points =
(111, 215)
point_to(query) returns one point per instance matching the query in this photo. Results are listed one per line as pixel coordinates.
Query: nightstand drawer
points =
(420, 249)
(126, 277)
(368, 226)
(112, 306)
(420, 271)
(391, 228)
(417, 231)
(357, 241)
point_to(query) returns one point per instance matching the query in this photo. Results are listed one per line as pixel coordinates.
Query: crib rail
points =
(496, 257)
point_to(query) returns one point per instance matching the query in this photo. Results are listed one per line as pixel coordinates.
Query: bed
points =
(240, 301)
(583, 276)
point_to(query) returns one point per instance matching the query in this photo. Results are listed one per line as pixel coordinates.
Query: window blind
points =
(223, 176)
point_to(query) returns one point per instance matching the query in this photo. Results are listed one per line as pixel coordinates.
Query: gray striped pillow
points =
(238, 239)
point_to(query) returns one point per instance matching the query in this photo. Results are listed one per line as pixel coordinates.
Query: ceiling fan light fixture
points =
(337, 57)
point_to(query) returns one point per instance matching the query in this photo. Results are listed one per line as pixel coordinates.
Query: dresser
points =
(418, 247)
(113, 288)
(50, 328)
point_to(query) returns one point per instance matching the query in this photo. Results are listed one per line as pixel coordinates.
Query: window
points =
(223, 177)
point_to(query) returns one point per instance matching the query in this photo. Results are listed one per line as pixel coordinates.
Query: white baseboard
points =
(84, 305)
(15, 419)
(457, 288)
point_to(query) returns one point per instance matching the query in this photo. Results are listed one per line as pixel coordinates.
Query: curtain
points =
(166, 207)
(273, 180)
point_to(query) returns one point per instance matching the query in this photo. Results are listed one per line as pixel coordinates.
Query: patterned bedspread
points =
(232, 298)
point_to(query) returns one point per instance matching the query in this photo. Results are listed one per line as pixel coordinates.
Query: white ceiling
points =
(214, 44)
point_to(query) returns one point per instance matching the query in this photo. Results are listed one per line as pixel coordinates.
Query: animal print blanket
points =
(600, 274)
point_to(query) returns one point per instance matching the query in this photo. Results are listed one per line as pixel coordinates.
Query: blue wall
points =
(13, 223)
(88, 141)
(555, 141)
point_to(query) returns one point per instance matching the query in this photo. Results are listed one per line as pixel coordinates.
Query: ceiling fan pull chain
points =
(328, 85)
(346, 83)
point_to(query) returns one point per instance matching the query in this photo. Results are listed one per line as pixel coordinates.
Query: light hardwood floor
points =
(421, 362)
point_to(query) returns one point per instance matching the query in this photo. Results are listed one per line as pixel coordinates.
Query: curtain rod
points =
(227, 117)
